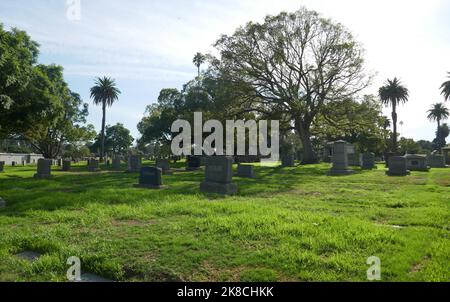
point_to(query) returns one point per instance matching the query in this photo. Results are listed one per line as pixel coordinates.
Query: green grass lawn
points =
(289, 224)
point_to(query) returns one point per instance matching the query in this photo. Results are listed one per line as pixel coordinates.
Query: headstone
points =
(2, 166)
(288, 160)
(368, 161)
(387, 155)
(164, 165)
(415, 162)
(246, 171)
(13, 163)
(2, 203)
(340, 159)
(93, 165)
(150, 178)
(134, 164)
(397, 166)
(219, 176)
(67, 164)
(433, 160)
(29, 255)
(116, 164)
(44, 169)
(194, 163)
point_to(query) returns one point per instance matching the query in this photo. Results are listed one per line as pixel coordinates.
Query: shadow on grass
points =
(78, 188)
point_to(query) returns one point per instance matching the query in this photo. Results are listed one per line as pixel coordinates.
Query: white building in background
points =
(19, 159)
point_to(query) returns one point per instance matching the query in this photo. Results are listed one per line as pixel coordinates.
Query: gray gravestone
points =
(246, 171)
(164, 165)
(368, 161)
(288, 160)
(134, 164)
(433, 160)
(415, 162)
(219, 176)
(93, 165)
(44, 169)
(116, 164)
(194, 163)
(2, 166)
(397, 166)
(150, 178)
(340, 159)
(67, 165)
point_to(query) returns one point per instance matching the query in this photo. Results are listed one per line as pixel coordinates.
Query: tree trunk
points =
(309, 156)
(102, 150)
(394, 122)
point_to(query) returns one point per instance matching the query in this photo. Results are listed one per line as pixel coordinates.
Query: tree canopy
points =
(293, 64)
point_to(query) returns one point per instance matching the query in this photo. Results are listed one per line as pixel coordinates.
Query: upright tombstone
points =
(388, 155)
(13, 163)
(44, 169)
(134, 164)
(219, 176)
(436, 161)
(150, 178)
(116, 164)
(340, 159)
(288, 160)
(415, 162)
(397, 166)
(2, 166)
(194, 163)
(246, 171)
(368, 161)
(66, 165)
(93, 165)
(164, 165)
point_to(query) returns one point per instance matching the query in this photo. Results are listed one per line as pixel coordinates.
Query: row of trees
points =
(393, 93)
(299, 68)
(37, 106)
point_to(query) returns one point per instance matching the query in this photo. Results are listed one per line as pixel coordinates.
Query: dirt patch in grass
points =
(419, 266)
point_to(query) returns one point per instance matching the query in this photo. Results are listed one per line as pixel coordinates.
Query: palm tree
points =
(446, 89)
(105, 93)
(393, 94)
(438, 112)
(198, 60)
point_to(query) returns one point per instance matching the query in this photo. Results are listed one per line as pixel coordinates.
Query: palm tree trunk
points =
(439, 128)
(102, 150)
(394, 122)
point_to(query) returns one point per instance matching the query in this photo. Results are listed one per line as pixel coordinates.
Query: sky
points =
(148, 45)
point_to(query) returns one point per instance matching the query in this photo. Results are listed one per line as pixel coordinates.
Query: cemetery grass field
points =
(289, 224)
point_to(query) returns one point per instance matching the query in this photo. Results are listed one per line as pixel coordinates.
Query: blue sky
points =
(148, 45)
